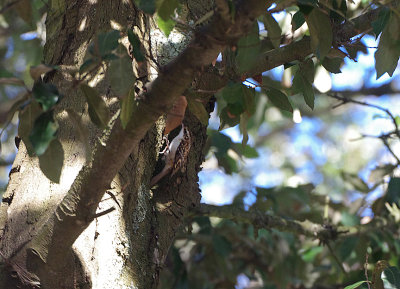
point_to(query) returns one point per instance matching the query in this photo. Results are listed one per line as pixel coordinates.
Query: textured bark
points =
(103, 256)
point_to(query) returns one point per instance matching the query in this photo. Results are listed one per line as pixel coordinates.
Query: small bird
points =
(175, 154)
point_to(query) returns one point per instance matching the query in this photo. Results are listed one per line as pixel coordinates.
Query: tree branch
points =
(294, 51)
(384, 89)
(300, 49)
(258, 219)
(324, 233)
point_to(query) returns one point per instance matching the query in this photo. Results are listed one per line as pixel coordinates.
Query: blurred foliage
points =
(22, 38)
(320, 176)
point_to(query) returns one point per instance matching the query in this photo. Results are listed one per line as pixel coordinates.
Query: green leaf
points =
(43, 132)
(347, 247)
(310, 254)
(279, 99)
(51, 162)
(378, 173)
(127, 105)
(348, 219)
(46, 94)
(27, 118)
(5, 73)
(249, 48)
(392, 193)
(379, 116)
(338, 11)
(238, 200)
(147, 6)
(388, 52)
(136, 46)
(204, 223)
(222, 144)
(235, 109)
(306, 8)
(228, 119)
(166, 8)
(397, 120)
(120, 73)
(246, 151)
(98, 111)
(166, 26)
(250, 152)
(354, 50)
(274, 30)
(105, 43)
(302, 85)
(221, 245)
(298, 20)
(356, 182)
(220, 141)
(108, 41)
(332, 64)
(379, 24)
(391, 278)
(110, 57)
(88, 65)
(307, 2)
(393, 25)
(249, 103)
(307, 69)
(227, 163)
(243, 128)
(198, 109)
(239, 99)
(232, 92)
(355, 285)
(320, 28)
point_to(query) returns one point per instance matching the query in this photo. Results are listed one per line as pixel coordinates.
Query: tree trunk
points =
(126, 247)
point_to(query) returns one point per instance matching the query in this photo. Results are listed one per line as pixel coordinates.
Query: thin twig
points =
(386, 143)
(345, 100)
(366, 270)
(383, 137)
(109, 210)
(336, 258)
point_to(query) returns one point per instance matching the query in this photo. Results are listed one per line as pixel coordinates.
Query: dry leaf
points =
(176, 114)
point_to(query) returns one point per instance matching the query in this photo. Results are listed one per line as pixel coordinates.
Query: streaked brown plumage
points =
(175, 155)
